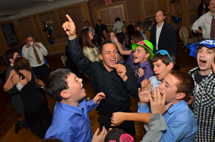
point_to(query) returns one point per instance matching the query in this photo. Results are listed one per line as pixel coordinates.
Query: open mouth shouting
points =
(202, 62)
(113, 60)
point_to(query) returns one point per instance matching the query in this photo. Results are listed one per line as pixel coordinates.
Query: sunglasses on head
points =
(164, 52)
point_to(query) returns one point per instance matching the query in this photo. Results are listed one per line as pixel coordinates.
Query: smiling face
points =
(161, 69)
(169, 84)
(75, 87)
(159, 17)
(109, 56)
(205, 57)
(140, 55)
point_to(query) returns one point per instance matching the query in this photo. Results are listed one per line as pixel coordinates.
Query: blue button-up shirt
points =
(70, 123)
(154, 80)
(180, 120)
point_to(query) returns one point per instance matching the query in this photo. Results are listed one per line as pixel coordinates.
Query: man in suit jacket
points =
(99, 30)
(10, 56)
(163, 36)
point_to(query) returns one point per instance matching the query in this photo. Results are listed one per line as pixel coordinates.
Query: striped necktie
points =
(36, 55)
(213, 28)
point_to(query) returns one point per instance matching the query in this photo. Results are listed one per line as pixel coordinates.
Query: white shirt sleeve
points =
(43, 49)
(25, 52)
(197, 24)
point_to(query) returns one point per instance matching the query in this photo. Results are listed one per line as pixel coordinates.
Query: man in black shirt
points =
(99, 30)
(115, 80)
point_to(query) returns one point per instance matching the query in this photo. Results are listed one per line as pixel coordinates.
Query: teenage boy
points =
(115, 80)
(163, 63)
(181, 122)
(10, 56)
(70, 121)
(139, 58)
(203, 105)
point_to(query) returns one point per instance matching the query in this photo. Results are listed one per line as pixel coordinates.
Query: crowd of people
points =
(124, 65)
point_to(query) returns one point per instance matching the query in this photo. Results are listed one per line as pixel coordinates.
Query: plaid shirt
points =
(203, 106)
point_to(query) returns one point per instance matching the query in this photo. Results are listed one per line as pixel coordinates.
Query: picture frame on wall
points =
(9, 34)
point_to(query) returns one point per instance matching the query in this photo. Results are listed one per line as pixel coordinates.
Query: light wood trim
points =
(41, 27)
(35, 27)
(58, 21)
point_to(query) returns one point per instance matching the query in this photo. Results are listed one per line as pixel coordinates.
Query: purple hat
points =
(208, 43)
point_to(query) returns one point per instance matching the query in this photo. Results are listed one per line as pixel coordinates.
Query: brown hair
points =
(84, 39)
(21, 63)
(136, 37)
(200, 47)
(164, 58)
(108, 35)
(186, 83)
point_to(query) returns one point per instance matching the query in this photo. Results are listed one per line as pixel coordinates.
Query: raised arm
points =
(119, 46)
(75, 52)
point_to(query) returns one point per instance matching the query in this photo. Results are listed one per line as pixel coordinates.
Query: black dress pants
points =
(41, 72)
(34, 120)
(127, 126)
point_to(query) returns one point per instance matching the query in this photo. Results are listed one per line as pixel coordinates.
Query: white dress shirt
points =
(118, 27)
(28, 53)
(158, 32)
(205, 23)
(90, 28)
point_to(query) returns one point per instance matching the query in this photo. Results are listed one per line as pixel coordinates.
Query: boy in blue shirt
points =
(180, 120)
(70, 122)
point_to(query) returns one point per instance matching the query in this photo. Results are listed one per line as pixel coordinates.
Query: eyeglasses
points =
(164, 52)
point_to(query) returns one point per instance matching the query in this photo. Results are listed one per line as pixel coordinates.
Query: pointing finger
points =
(69, 18)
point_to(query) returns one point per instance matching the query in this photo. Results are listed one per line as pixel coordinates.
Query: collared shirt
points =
(146, 66)
(90, 28)
(203, 106)
(70, 123)
(205, 23)
(180, 120)
(110, 83)
(28, 53)
(118, 27)
(158, 32)
(154, 80)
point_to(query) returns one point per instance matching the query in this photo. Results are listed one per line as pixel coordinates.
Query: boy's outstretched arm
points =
(119, 46)
(95, 101)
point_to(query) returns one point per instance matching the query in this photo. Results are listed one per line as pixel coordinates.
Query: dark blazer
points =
(167, 40)
(13, 90)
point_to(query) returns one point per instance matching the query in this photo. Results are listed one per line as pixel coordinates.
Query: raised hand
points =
(99, 137)
(37, 44)
(98, 97)
(140, 72)
(69, 27)
(158, 102)
(121, 71)
(117, 118)
(144, 92)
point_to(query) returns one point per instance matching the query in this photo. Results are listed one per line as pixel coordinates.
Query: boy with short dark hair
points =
(163, 63)
(203, 105)
(70, 121)
(181, 122)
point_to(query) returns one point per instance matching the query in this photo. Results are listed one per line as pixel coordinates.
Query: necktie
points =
(37, 56)
(136, 70)
(213, 28)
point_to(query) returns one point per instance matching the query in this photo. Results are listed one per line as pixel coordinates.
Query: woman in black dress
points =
(35, 103)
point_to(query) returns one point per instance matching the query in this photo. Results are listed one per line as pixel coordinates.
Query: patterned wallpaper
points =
(132, 8)
(77, 16)
(51, 16)
(193, 5)
(26, 28)
(38, 28)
